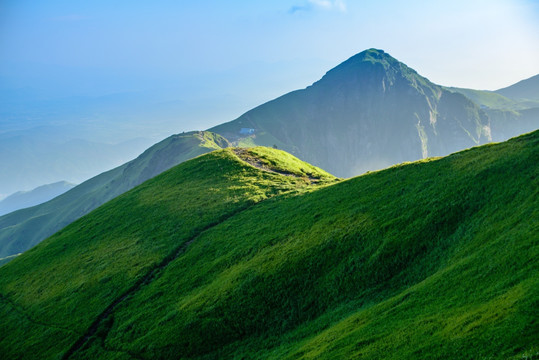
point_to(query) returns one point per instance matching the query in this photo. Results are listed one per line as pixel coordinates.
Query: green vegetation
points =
(489, 99)
(368, 113)
(217, 258)
(281, 162)
(97, 258)
(23, 229)
(7, 259)
(364, 114)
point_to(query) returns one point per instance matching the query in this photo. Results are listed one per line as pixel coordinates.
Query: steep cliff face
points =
(369, 112)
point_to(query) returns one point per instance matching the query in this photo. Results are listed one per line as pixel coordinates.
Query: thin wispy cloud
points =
(329, 4)
(298, 8)
(310, 5)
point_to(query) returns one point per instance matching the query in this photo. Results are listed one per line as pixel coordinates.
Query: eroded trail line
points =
(145, 280)
(244, 155)
(22, 313)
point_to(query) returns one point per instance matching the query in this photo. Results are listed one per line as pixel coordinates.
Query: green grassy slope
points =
(433, 259)
(7, 259)
(72, 277)
(25, 228)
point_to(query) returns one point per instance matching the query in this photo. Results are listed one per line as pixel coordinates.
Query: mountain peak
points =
(370, 62)
(372, 54)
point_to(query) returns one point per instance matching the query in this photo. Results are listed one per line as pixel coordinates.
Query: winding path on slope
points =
(152, 275)
(252, 160)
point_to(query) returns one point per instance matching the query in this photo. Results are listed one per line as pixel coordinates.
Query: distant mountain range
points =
(367, 113)
(24, 228)
(524, 91)
(512, 110)
(34, 157)
(24, 199)
(255, 254)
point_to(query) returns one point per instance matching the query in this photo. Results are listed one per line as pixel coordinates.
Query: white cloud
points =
(325, 4)
(329, 4)
(338, 5)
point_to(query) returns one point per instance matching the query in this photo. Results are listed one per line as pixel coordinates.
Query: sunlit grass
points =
(432, 259)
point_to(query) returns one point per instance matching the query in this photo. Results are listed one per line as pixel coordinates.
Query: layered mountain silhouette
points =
(34, 157)
(252, 253)
(369, 112)
(525, 90)
(512, 110)
(24, 228)
(41, 194)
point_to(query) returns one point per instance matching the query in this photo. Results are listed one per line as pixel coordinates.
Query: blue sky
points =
(256, 50)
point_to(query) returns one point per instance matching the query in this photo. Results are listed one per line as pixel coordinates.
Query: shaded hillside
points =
(489, 99)
(524, 91)
(369, 112)
(22, 229)
(160, 219)
(24, 199)
(508, 117)
(508, 123)
(216, 258)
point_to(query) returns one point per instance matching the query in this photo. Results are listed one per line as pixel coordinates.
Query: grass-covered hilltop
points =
(254, 254)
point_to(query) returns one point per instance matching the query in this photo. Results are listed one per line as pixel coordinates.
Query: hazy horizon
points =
(110, 73)
(67, 48)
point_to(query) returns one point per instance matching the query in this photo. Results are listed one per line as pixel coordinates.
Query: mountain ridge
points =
(524, 90)
(378, 114)
(434, 258)
(41, 194)
(24, 228)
